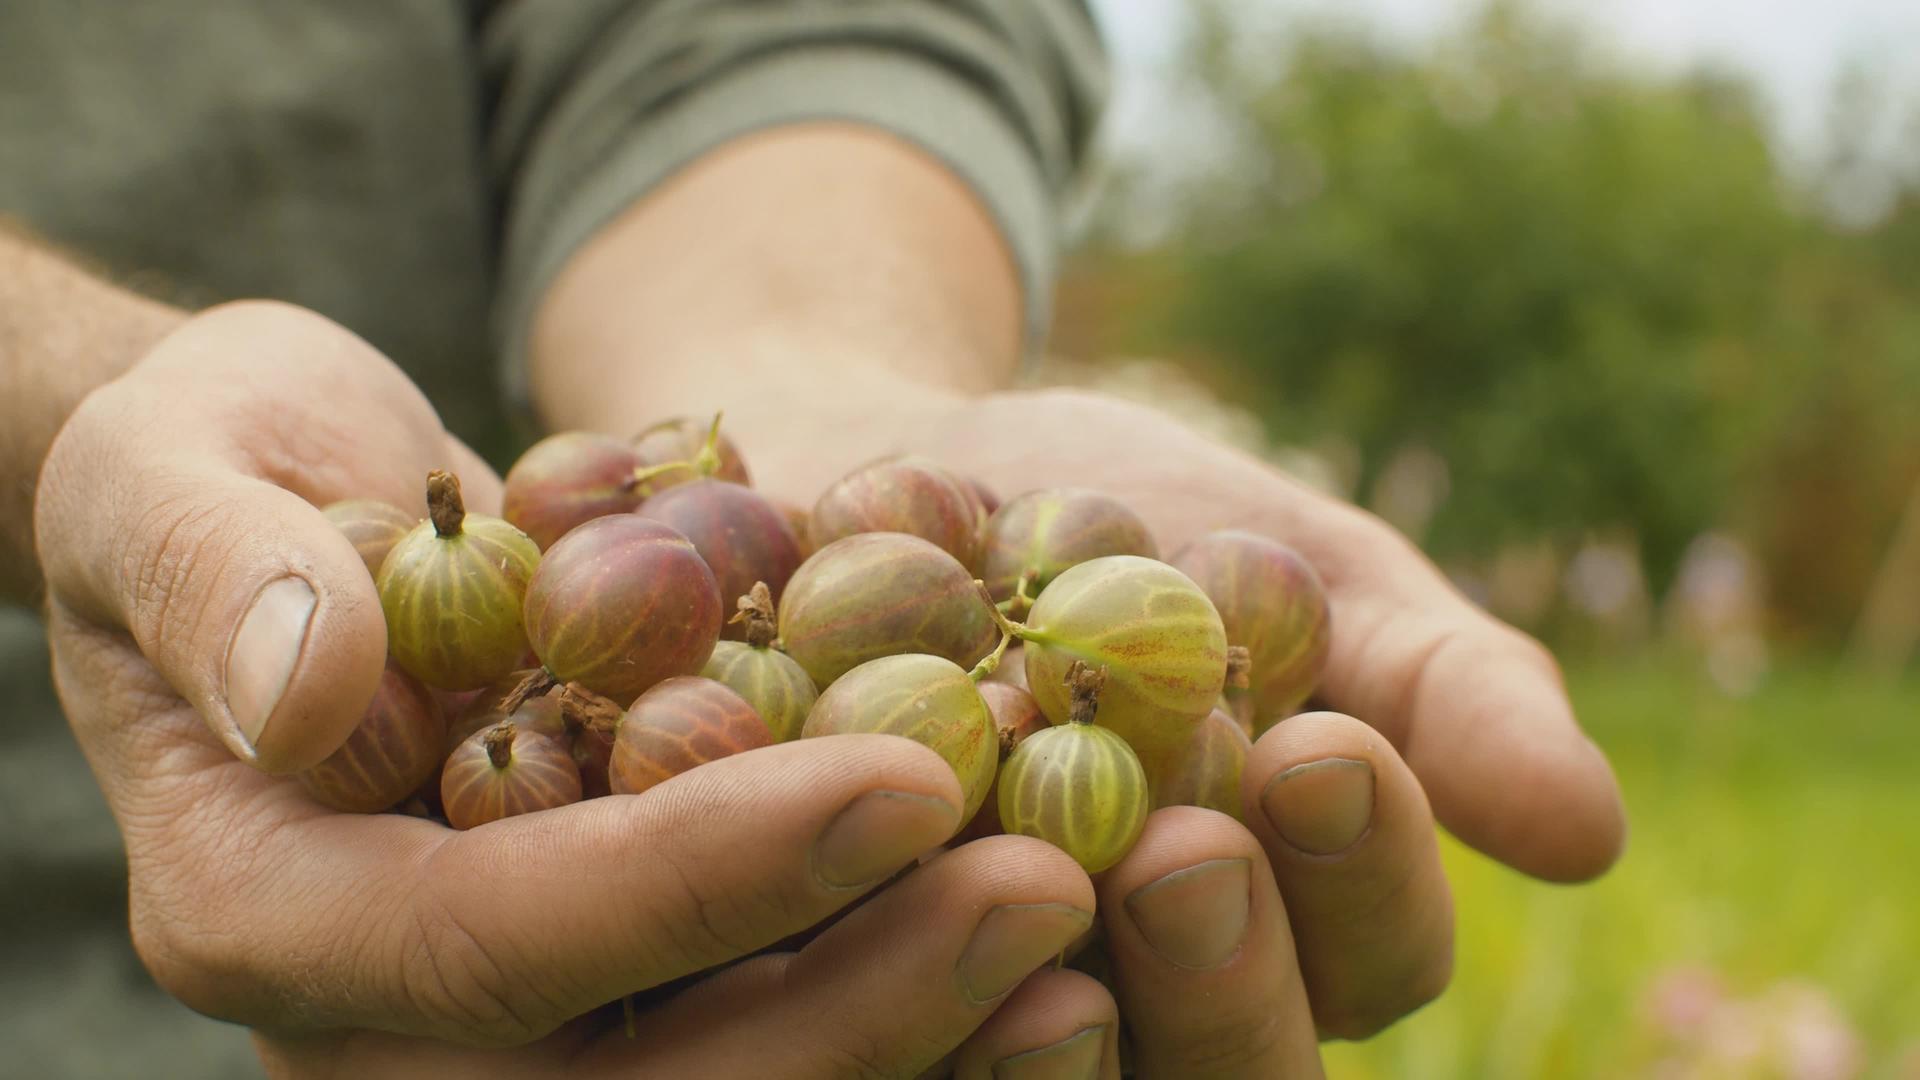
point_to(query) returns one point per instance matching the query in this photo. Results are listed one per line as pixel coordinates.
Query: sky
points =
(1794, 48)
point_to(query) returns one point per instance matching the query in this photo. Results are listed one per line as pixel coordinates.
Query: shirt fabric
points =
(419, 170)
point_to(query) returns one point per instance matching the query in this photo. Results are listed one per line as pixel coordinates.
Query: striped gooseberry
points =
(928, 699)
(393, 751)
(679, 725)
(621, 603)
(568, 479)
(775, 684)
(1015, 716)
(504, 771)
(372, 526)
(882, 594)
(1206, 772)
(901, 495)
(1153, 631)
(451, 591)
(1077, 786)
(683, 449)
(1035, 536)
(1270, 600)
(742, 537)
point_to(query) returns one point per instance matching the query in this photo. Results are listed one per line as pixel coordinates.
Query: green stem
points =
(707, 461)
(990, 663)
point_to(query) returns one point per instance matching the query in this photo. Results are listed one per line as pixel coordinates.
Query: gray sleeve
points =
(597, 101)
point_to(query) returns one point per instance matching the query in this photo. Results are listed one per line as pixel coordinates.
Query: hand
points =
(1339, 840)
(204, 615)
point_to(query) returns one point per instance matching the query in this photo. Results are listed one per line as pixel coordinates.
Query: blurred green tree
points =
(1593, 290)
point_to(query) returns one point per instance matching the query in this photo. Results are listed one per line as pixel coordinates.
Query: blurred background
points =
(1616, 309)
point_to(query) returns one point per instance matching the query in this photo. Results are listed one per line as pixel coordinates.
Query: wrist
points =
(63, 333)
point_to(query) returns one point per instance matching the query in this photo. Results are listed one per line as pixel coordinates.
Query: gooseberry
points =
(504, 771)
(621, 603)
(1270, 600)
(452, 590)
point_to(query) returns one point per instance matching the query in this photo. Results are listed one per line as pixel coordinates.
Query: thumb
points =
(158, 515)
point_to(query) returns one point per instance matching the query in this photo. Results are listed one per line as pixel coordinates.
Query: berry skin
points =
(902, 495)
(394, 750)
(374, 528)
(682, 439)
(1154, 631)
(451, 591)
(928, 699)
(568, 479)
(1207, 772)
(504, 771)
(677, 726)
(742, 537)
(882, 594)
(1079, 788)
(621, 603)
(1271, 601)
(1042, 533)
(1015, 716)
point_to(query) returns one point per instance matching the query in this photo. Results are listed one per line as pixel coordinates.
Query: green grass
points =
(1774, 838)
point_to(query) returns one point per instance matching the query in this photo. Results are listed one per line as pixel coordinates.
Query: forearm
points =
(805, 279)
(62, 333)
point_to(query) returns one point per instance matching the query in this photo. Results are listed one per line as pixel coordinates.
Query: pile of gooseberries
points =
(640, 610)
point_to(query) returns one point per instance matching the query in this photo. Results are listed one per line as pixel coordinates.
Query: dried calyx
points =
(1239, 667)
(582, 708)
(756, 611)
(445, 508)
(499, 743)
(1084, 684)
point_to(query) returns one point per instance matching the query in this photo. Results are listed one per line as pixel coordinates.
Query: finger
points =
(178, 505)
(892, 988)
(1203, 956)
(1477, 708)
(1058, 1024)
(252, 904)
(1351, 840)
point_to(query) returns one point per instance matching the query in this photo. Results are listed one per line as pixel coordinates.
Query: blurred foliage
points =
(1594, 290)
(1760, 855)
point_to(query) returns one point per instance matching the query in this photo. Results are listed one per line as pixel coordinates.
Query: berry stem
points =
(537, 683)
(1023, 590)
(1084, 684)
(581, 706)
(1008, 631)
(756, 610)
(499, 743)
(444, 506)
(707, 461)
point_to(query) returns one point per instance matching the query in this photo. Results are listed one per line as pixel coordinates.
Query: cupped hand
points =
(1335, 883)
(210, 630)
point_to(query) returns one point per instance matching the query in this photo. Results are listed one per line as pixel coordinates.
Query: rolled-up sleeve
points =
(597, 101)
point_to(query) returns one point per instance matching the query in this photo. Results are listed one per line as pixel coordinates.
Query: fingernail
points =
(1322, 807)
(264, 652)
(1195, 918)
(1012, 942)
(1076, 1057)
(877, 834)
